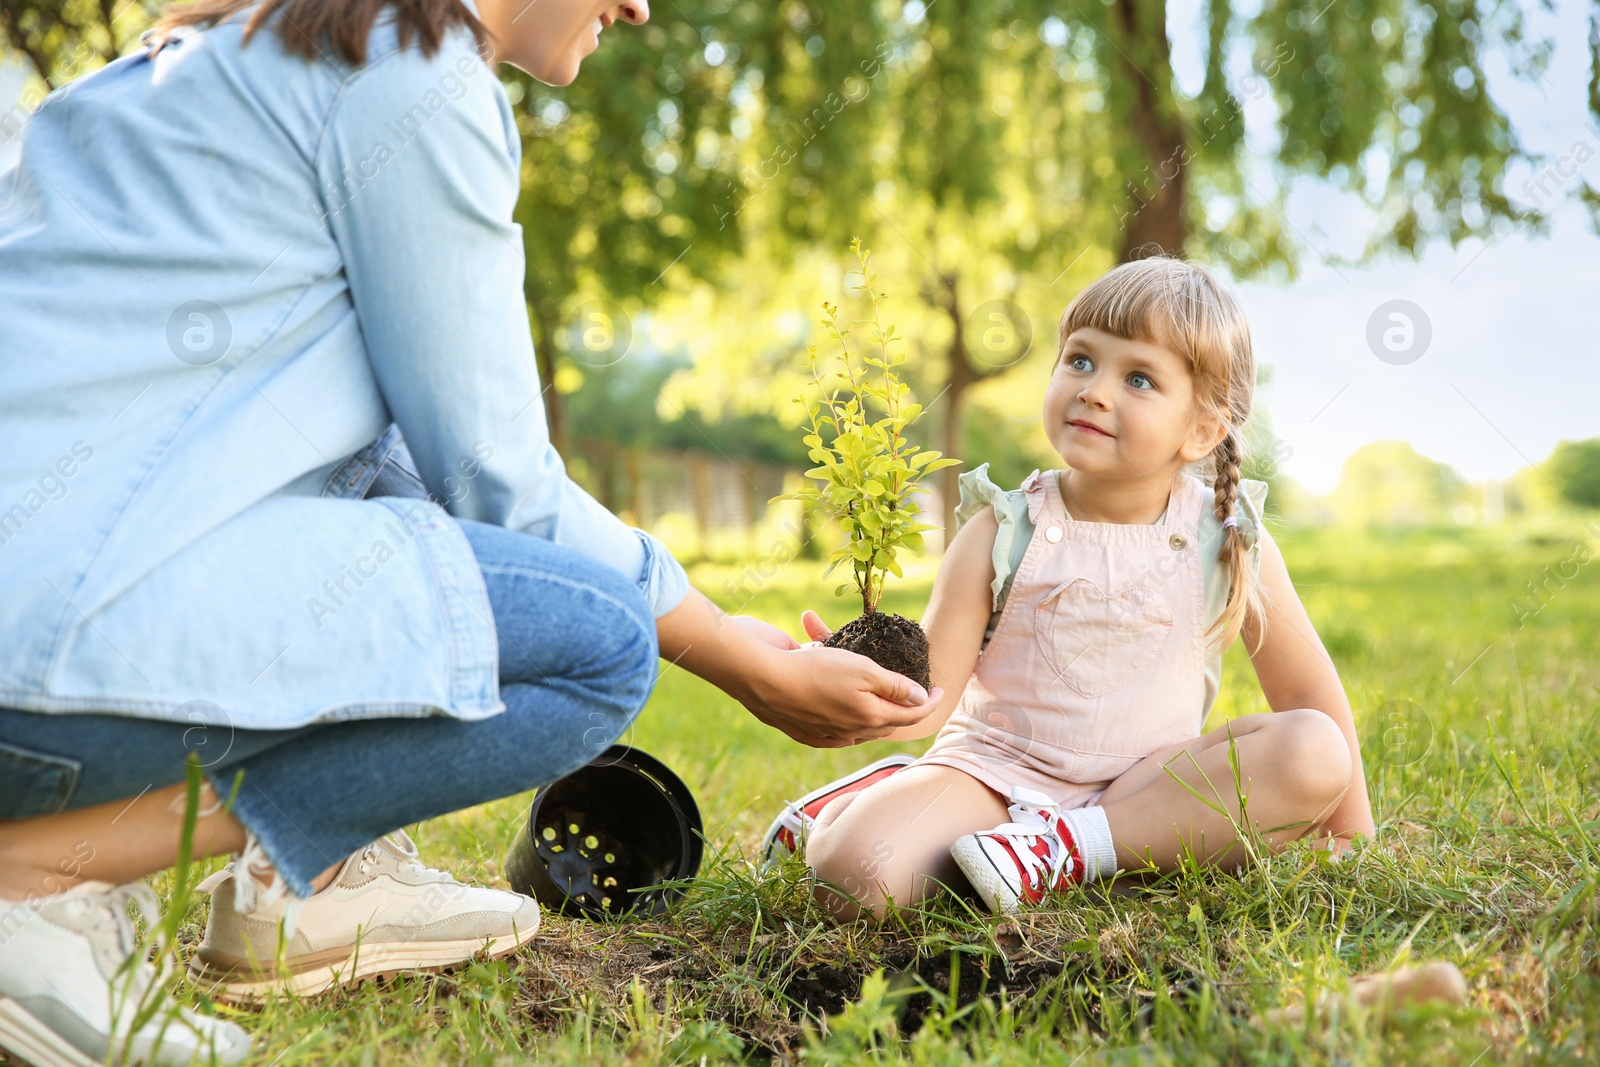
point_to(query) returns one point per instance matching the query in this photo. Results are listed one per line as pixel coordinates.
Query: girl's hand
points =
(814, 627)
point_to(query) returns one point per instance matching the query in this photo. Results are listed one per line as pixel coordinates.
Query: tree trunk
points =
(1155, 221)
(956, 385)
(634, 459)
(961, 375)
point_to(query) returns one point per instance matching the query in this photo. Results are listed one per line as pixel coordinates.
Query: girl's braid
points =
(1226, 481)
(1244, 596)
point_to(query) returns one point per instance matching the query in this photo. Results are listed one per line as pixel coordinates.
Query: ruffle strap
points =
(1036, 489)
(1248, 508)
(978, 492)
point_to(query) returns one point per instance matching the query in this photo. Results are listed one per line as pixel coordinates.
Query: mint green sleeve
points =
(1011, 516)
(1250, 509)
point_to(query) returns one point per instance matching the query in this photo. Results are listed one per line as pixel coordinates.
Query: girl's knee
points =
(1311, 753)
(853, 877)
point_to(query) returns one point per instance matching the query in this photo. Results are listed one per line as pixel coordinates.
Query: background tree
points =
(1387, 483)
(62, 39)
(1574, 467)
(1024, 146)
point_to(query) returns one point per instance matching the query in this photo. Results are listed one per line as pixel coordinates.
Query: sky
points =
(1511, 365)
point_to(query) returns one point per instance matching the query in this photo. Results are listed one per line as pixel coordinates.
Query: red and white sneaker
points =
(1019, 862)
(789, 829)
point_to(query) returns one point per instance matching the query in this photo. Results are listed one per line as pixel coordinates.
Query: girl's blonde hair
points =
(1185, 308)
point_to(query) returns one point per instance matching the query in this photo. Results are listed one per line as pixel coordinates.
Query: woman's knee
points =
(561, 614)
(1311, 756)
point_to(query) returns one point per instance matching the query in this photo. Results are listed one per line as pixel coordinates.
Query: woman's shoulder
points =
(396, 65)
(449, 101)
(385, 100)
(415, 82)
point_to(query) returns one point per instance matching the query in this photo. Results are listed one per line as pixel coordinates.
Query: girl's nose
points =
(634, 11)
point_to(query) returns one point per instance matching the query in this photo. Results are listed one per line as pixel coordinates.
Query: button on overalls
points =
(1097, 659)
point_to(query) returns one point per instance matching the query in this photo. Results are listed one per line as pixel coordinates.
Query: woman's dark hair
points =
(309, 27)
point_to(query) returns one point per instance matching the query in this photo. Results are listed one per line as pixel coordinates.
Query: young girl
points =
(1077, 626)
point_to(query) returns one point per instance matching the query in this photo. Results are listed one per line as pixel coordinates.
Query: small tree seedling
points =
(866, 473)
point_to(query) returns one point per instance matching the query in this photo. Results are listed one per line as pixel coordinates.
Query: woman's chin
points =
(560, 78)
(555, 71)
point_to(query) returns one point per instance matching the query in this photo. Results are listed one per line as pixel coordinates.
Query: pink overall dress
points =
(1097, 659)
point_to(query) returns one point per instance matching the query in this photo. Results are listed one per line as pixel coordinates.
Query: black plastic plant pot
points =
(595, 840)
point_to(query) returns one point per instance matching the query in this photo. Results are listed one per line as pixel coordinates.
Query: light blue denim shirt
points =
(224, 273)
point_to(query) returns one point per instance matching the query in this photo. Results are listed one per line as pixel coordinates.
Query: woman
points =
(236, 268)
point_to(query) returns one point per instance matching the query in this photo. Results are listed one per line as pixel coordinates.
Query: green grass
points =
(1480, 740)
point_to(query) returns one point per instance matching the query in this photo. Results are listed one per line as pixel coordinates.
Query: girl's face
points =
(550, 38)
(1120, 410)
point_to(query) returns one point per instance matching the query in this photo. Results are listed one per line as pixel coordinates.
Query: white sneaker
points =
(1020, 862)
(73, 993)
(385, 913)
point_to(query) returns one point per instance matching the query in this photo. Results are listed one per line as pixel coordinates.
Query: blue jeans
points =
(577, 662)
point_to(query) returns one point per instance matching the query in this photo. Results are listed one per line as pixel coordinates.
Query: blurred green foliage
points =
(1387, 483)
(1575, 468)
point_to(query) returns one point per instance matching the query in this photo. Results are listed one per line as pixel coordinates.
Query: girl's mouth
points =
(1088, 428)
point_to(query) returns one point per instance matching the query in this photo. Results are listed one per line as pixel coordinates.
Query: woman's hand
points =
(823, 697)
(831, 698)
(765, 632)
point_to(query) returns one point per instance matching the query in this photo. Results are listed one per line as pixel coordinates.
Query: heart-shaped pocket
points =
(1096, 643)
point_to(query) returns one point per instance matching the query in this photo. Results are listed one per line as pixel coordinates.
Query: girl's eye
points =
(1073, 361)
(1141, 377)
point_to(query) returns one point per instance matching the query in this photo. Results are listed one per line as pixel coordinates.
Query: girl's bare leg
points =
(1294, 767)
(891, 841)
(118, 842)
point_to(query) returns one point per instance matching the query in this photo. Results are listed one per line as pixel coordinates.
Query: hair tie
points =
(1231, 520)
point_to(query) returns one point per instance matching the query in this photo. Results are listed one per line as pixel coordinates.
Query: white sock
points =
(1093, 836)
